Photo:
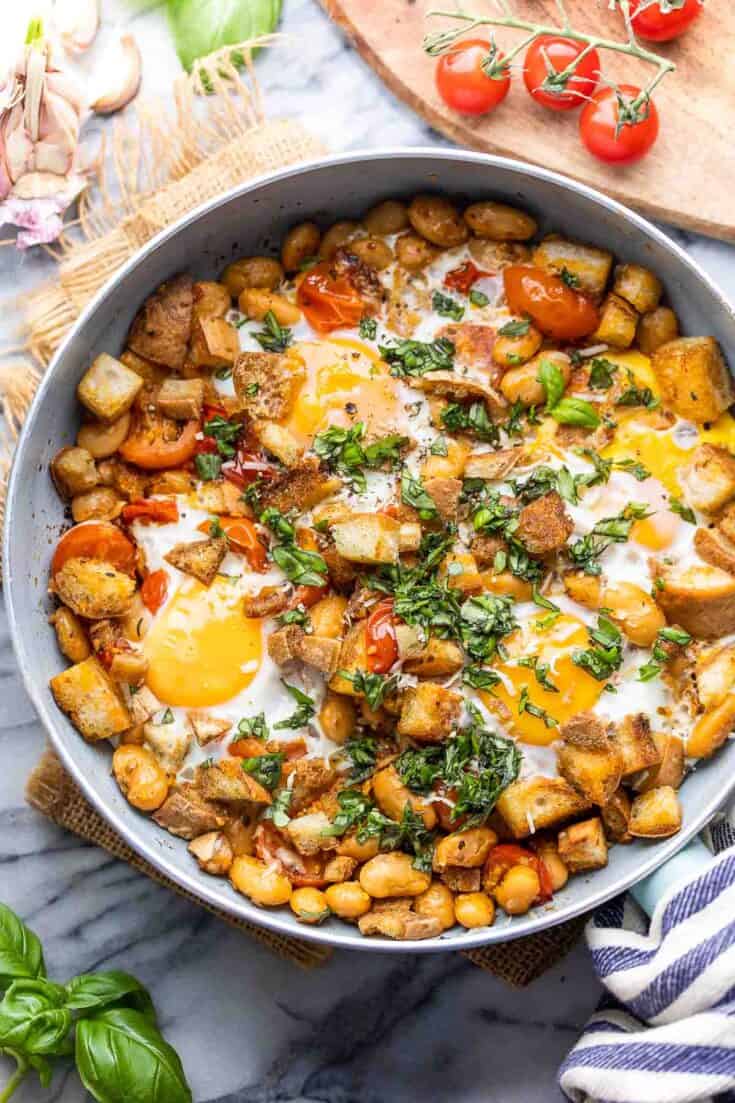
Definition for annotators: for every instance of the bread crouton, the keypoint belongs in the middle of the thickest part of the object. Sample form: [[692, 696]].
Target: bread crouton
[[708, 479], [618, 323], [339, 868], [200, 558], [352, 657], [214, 343], [268, 602], [635, 743], [638, 286], [187, 814], [300, 488], [207, 728], [589, 760], [656, 814], [531, 804], [461, 388], [473, 346], [591, 266], [279, 441], [168, 742], [307, 833], [616, 817], [715, 548], [398, 922], [162, 328], [700, 599], [445, 494], [87, 694], [583, 846], [181, 399], [210, 299], [108, 389], [368, 538], [429, 712], [669, 770], [436, 659], [217, 497], [657, 329], [228, 781], [693, 377], [493, 466], [726, 522], [74, 471], [141, 704], [311, 779], [93, 589], [544, 525], [291, 642], [266, 382]]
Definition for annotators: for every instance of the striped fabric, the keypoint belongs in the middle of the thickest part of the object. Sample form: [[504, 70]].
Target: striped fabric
[[666, 1031]]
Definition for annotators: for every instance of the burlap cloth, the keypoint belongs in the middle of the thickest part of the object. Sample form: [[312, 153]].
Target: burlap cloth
[[157, 168]]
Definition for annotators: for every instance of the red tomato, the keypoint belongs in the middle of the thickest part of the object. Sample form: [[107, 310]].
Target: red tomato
[[301, 869], [506, 855], [308, 595], [462, 81], [146, 448], [246, 467], [206, 444], [655, 25], [329, 302], [154, 590], [610, 140], [550, 55], [382, 646], [242, 536], [445, 808], [95, 540], [462, 278], [247, 748], [157, 511], [557, 310]]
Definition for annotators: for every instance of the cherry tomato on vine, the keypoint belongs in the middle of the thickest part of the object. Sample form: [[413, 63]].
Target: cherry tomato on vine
[[549, 56], [462, 81], [606, 131], [662, 20]]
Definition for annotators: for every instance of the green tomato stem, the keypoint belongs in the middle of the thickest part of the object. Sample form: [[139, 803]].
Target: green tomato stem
[[18, 1076]]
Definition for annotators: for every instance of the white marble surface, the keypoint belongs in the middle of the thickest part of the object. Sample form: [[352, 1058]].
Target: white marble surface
[[251, 1028]]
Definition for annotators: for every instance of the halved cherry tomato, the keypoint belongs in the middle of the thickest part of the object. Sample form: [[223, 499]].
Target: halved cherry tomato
[[462, 278], [151, 511], [107, 654], [301, 870], [609, 139], [445, 808], [308, 595], [557, 310], [660, 23], [246, 467], [146, 448], [242, 536], [506, 855], [154, 590], [462, 81], [206, 444], [329, 302], [247, 747], [253, 748], [95, 540], [211, 410], [382, 646], [552, 54]]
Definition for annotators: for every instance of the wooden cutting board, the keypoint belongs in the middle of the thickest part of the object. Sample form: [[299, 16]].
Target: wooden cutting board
[[688, 179]]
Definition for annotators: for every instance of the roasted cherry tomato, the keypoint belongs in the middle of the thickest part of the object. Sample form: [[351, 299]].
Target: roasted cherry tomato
[[154, 590], [246, 467], [301, 869], [242, 536], [660, 20], [308, 595], [462, 81], [607, 137], [382, 646], [95, 540], [145, 447], [151, 511], [551, 55], [506, 855], [444, 808], [328, 301], [557, 310], [247, 747], [464, 277]]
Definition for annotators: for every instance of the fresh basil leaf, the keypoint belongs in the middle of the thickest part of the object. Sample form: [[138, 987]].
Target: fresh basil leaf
[[274, 337], [34, 1020], [200, 27], [305, 709], [601, 373], [684, 511], [552, 380], [20, 950], [93, 991], [122, 1057], [368, 328], [278, 810], [575, 411], [447, 307], [519, 327], [208, 465], [265, 768], [413, 493], [407, 357], [478, 298]]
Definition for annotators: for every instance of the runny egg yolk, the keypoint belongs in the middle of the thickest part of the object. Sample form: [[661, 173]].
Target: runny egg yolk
[[202, 650], [342, 373], [577, 690]]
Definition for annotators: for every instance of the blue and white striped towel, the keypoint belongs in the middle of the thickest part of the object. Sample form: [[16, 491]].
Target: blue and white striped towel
[[666, 1033]]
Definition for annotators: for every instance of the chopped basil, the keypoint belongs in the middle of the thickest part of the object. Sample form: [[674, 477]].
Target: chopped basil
[[677, 506], [447, 307], [368, 328], [305, 709], [412, 358], [413, 493], [517, 328], [274, 337], [478, 298]]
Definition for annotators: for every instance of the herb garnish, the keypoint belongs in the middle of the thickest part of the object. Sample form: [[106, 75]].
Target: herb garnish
[[265, 768], [412, 358], [659, 655], [637, 396], [413, 493], [342, 451], [470, 418], [567, 411], [518, 327], [374, 687], [305, 568], [362, 753], [601, 373], [478, 298], [525, 704], [684, 511], [447, 307], [585, 552], [305, 709], [569, 278], [484, 620], [253, 727], [606, 654], [275, 337], [278, 810], [368, 328]]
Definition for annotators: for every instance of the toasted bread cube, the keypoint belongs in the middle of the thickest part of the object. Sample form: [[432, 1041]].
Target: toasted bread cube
[[459, 570], [714, 547], [714, 672], [534, 803], [594, 770], [216, 497], [708, 479], [94, 589], [291, 642], [229, 782], [590, 265], [352, 657], [207, 728], [669, 770], [409, 536], [544, 525], [656, 328], [583, 846], [141, 705], [445, 494], [307, 833], [409, 640], [146, 369], [656, 814], [429, 712], [181, 399], [693, 377], [616, 817], [398, 922], [128, 667], [638, 286], [301, 488], [87, 694], [266, 383], [280, 442], [368, 538], [210, 300], [436, 659], [460, 388], [635, 743], [712, 729], [200, 558], [74, 471], [493, 466], [726, 522], [214, 343], [162, 327], [169, 743], [701, 599], [108, 389], [70, 635], [187, 814], [618, 323]]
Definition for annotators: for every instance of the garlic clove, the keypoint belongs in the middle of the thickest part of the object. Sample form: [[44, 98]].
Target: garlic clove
[[77, 23], [61, 84], [49, 185], [126, 76]]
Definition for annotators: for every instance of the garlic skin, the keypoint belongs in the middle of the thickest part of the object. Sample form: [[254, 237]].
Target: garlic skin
[[123, 76], [77, 23]]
